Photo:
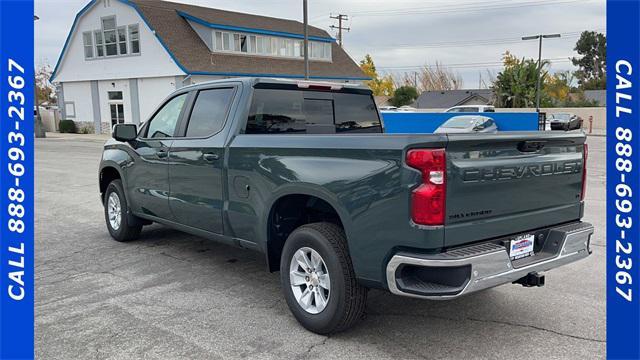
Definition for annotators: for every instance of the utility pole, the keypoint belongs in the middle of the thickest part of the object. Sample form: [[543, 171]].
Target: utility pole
[[415, 79], [539, 37], [306, 39], [340, 17]]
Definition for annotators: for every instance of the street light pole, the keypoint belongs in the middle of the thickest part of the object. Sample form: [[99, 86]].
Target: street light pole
[[539, 38], [306, 39]]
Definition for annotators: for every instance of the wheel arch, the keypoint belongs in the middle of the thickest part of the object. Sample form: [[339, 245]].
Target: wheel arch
[[303, 204]]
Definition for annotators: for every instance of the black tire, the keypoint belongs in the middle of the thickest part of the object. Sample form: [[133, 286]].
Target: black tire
[[130, 227], [347, 300]]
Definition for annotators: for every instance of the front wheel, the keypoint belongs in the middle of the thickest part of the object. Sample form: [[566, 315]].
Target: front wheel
[[116, 214], [318, 280]]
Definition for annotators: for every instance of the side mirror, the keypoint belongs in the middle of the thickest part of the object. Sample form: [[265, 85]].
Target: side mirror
[[125, 132]]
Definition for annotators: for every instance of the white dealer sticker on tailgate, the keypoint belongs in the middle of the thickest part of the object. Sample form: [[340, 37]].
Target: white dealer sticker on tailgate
[[521, 246]]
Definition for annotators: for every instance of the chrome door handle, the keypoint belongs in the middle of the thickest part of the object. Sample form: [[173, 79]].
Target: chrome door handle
[[210, 156]]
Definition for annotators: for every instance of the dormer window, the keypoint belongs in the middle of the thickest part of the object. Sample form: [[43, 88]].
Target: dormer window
[[266, 45], [111, 40]]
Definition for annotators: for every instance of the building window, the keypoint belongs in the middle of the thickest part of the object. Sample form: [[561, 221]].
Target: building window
[[111, 40], [70, 109], [134, 38], [87, 40], [268, 45], [115, 95], [122, 40], [109, 34]]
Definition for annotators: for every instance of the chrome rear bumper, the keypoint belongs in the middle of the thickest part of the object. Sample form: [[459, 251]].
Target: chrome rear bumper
[[484, 265]]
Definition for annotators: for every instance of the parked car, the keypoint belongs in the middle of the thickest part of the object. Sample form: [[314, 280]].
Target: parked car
[[468, 124], [406, 108], [301, 172], [387, 108], [471, 109], [564, 121]]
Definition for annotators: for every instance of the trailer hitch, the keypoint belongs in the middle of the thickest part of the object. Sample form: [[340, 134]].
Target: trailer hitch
[[532, 279]]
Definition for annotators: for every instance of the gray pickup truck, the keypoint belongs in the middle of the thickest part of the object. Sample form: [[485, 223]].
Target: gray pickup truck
[[303, 173]]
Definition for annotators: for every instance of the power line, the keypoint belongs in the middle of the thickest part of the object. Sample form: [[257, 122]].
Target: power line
[[476, 42], [463, 7], [458, 8]]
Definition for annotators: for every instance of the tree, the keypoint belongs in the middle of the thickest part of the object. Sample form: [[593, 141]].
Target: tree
[[432, 78], [45, 91], [515, 85], [592, 64], [404, 95], [438, 77], [379, 86], [558, 86]]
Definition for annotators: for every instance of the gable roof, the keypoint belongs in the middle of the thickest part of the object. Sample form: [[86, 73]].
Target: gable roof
[[169, 23], [448, 98]]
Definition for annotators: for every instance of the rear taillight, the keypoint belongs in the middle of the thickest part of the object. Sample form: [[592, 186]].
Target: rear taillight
[[585, 155], [428, 199]]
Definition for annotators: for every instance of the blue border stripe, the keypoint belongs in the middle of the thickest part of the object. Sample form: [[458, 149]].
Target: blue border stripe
[[623, 171], [16, 135], [252, 30]]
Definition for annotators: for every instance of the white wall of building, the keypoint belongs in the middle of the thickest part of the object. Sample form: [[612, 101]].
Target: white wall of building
[[151, 93], [153, 60], [80, 94]]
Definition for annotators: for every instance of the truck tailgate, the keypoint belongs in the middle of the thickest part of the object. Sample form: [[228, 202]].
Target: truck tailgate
[[510, 183]]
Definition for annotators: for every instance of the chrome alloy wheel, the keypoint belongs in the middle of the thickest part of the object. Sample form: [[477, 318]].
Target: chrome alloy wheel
[[114, 211], [309, 278]]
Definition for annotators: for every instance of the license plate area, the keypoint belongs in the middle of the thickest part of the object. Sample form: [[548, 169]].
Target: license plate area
[[521, 246]]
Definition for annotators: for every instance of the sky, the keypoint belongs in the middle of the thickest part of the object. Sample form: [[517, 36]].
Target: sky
[[468, 36]]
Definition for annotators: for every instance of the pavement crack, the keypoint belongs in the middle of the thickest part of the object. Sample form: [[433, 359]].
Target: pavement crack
[[312, 347], [172, 256], [536, 328], [494, 322]]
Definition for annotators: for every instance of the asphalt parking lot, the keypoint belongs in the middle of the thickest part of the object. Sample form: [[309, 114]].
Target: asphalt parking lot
[[175, 296]]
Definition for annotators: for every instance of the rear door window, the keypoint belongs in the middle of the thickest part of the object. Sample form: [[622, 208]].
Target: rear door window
[[209, 112], [277, 111]]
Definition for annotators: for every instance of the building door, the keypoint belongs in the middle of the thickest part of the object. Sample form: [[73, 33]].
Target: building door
[[116, 107]]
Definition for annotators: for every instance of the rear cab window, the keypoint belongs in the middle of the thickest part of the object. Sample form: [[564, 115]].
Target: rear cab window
[[291, 110]]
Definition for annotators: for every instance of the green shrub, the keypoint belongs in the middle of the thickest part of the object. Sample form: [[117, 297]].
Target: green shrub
[[404, 95], [67, 126]]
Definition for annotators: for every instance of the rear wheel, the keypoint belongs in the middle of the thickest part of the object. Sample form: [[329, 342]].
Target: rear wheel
[[318, 280], [121, 225]]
